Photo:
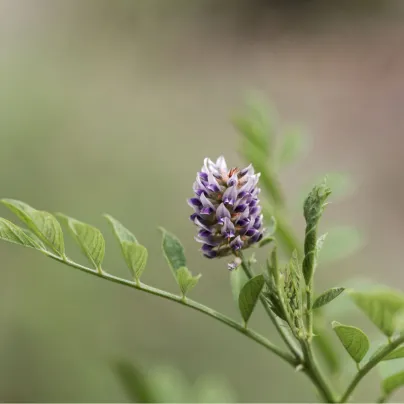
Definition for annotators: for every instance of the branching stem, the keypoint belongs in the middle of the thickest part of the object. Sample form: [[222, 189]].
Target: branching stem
[[185, 302], [369, 366]]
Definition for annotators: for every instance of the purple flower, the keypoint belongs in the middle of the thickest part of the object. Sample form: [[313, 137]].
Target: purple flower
[[226, 208]]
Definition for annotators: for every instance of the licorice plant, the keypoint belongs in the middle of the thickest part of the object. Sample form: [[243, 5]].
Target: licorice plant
[[231, 222]]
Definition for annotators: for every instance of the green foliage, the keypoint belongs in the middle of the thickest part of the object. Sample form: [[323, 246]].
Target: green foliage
[[392, 383], [136, 258], [134, 382], [173, 251], [353, 339], [120, 231], [134, 253], [327, 297], [249, 296], [41, 223], [89, 238], [265, 241], [284, 290], [14, 234], [313, 209], [185, 280], [381, 306], [396, 354], [238, 279]]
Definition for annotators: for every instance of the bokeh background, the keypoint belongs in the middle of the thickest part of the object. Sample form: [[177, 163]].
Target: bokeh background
[[111, 106]]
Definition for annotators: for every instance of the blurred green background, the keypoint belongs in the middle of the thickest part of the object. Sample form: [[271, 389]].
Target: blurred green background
[[111, 106]]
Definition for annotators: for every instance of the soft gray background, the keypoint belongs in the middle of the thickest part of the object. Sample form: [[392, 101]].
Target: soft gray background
[[111, 106]]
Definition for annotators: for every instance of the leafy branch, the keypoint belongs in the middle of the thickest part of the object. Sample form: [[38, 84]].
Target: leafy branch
[[228, 214]]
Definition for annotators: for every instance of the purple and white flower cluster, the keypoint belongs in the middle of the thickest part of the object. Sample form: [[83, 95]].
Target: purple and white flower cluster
[[227, 209]]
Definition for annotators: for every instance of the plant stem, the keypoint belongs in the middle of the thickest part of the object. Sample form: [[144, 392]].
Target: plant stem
[[309, 312], [187, 302], [310, 365], [312, 370], [285, 337], [369, 366]]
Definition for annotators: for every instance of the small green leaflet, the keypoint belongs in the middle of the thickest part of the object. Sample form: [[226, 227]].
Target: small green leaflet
[[353, 339], [136, 258], [42, 224], [327, 297], [237, 280], [120, 231], [89, 238], [14, 234], [396, 354], [265, 241], [392, 383], [134, 253], [173, 251], [249, 295], [381, 306], [185, 280]]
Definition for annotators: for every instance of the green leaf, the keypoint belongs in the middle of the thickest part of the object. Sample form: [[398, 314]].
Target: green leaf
[[392, 383], [14, 234], [249, 295], [399, 321], [89, 238], [353, 339], [396, 354], [120, 231], [42, 224], [136, 258], [34, 237], [173, 251], [381, 306], [327, 297], [238, 279], [134, 253], [134, 382], [293, 143], [342, 242], [185, 280], [265, 241]]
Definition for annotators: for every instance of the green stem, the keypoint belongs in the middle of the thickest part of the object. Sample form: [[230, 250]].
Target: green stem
[[310, 365], [309, 312], [285, 337], [189, 303], [369, 366], [312, 370]]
